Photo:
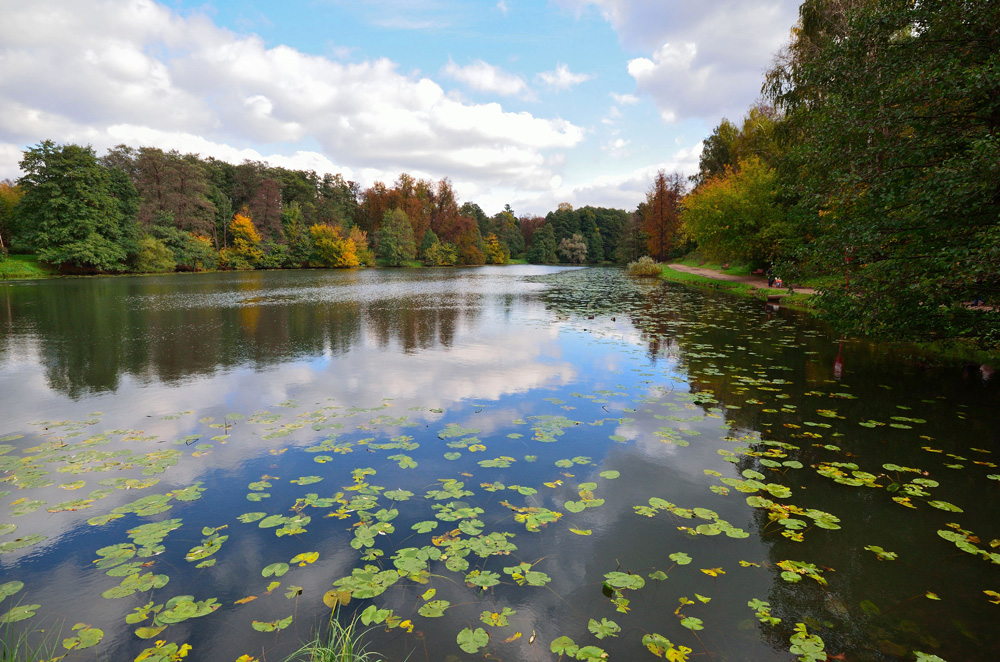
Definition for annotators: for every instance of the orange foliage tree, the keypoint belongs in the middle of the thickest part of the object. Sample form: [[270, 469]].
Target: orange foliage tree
[[661, 219]]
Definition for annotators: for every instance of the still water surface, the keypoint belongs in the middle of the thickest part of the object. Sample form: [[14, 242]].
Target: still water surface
[[577, 421]]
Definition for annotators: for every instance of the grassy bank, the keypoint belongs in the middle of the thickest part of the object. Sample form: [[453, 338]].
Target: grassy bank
[[932, 353], [17, 267], [798, 301]]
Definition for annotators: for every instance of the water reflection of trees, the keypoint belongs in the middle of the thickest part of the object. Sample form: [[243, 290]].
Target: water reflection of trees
[[88, 334], [775, 374]]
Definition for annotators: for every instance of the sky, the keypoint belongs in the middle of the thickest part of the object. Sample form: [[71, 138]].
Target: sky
[[522, 102]]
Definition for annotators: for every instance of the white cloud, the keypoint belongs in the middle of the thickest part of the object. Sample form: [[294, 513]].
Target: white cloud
[[706, 59], [617, 147], [624, 191], [502, 6], [625, 99], [486, 77], [561, 78], [99, 72]]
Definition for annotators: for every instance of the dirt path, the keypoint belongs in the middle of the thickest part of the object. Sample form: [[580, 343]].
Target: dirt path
[[759, 282]]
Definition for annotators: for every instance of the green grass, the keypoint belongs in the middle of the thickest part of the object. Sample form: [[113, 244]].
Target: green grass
[[33, 645], [340, 643], [695, 260], [24, 266], [798, 301]]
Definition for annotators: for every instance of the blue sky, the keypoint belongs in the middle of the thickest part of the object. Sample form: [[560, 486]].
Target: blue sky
[[524, 102]]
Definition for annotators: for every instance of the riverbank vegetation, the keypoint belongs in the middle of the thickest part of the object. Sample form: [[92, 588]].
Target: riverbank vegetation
[[872, 164]]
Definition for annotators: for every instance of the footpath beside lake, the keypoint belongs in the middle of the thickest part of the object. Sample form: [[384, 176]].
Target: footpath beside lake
[[519, 462]]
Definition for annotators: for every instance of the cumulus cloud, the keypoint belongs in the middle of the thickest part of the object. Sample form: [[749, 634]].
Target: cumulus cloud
[[486, 77], [103, 72], [561, 78], [704, 59]]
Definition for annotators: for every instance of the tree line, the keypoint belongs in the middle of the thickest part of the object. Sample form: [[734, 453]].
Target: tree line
[[147, 210]]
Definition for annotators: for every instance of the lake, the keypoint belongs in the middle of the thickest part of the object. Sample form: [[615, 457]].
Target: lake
[[514, 462]]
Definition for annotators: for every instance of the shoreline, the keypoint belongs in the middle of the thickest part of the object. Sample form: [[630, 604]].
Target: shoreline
[[753, 287]]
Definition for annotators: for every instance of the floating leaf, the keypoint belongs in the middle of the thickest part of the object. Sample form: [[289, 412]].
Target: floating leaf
[[881, 553], [471, 641], [304, 558], [692, 623], [275, 570], [433, 608], [148, 632], [19, 613], [944, 505], [497, 618], [272, 626], [624, 580], [10, 588], [603, 629], [564, 646]]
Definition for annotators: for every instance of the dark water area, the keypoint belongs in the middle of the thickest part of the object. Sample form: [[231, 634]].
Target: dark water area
[[506, 458]]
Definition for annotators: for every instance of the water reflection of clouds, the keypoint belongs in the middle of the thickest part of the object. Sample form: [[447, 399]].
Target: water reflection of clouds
[[439, 378]]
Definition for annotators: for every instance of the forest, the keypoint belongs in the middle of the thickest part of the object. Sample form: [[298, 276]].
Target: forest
[[869, 168], [146, 210]]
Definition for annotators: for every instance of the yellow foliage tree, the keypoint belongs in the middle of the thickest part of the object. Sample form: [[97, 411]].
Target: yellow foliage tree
[[244, 252], [496, 253], [366, 257], [331, 248]]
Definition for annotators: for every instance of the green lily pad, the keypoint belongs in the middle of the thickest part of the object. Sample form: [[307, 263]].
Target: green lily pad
[[19, 613], [275, 570], [603, 629], [471, 641]]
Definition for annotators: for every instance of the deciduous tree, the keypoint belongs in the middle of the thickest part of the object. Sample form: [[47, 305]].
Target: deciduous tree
[[662, 213], [897, 105], [734, 216], [394, 242], [70, 208]]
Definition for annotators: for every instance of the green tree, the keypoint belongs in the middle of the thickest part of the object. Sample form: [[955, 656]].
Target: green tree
[[394, 242], [190, 252], [429, 240], [716, 152], [632, 238], [542, 249], [897, 108], [296, 235], [734, 216], [440, 254], [154, 256], [71, 209]]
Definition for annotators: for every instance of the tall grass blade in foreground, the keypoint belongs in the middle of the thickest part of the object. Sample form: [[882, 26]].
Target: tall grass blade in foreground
[[340, 643], [28, 645]]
